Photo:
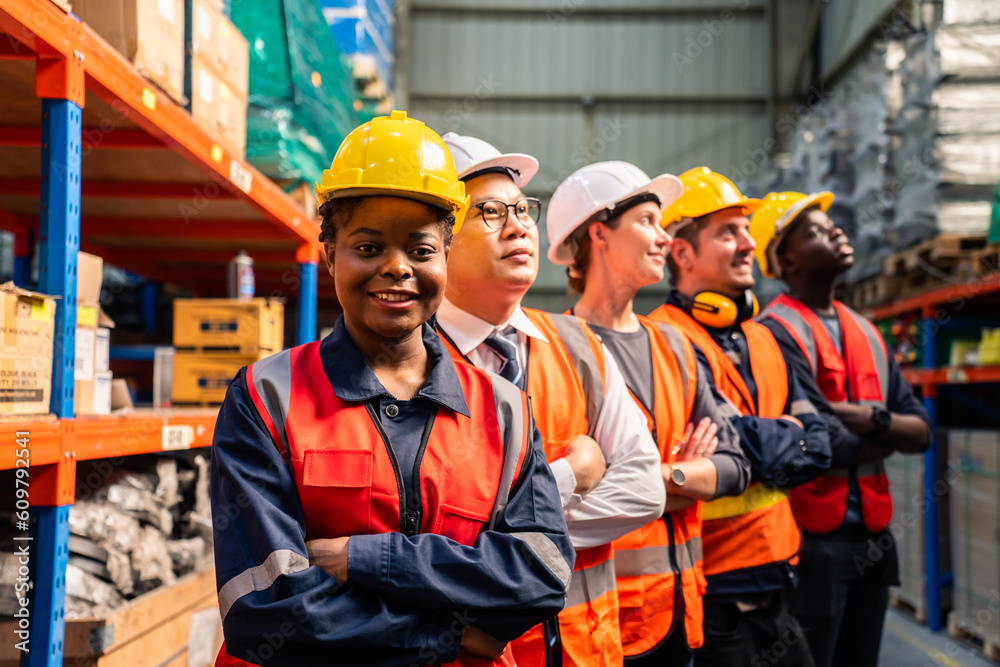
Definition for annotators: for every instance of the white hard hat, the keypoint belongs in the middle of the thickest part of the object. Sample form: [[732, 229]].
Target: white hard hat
[[474, 156], [594, 192]]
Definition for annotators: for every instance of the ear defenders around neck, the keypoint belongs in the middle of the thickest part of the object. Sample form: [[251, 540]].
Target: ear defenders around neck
[[718, 311]]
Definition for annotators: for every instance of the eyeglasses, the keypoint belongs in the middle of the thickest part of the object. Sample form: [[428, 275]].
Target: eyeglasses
[[494, 212]]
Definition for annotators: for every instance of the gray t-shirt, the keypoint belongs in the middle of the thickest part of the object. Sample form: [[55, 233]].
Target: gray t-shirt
[[635, 358], [832, 324], [634, 354]]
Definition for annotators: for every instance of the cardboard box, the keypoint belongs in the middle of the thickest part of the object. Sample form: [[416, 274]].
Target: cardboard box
[[218, 107], [212, 37], [93, 397], [102, 350], [204, 378], [974, 478], [150, 33], [89, 278], [249, 328], [163, 376], [121, 397], [27, 325], [86, 353], [906, 485]]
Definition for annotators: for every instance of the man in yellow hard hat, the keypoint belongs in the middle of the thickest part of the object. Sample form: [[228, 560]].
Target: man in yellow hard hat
[[871, 411], [578, 397], [375, 502], [750, 542]]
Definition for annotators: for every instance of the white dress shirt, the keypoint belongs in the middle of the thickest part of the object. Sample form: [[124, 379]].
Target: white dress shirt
[[631, 493]]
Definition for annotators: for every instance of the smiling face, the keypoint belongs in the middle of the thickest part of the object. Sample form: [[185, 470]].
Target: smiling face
[[637, 246], [721, 260], [815, 246], [485, 260], [389, 265]]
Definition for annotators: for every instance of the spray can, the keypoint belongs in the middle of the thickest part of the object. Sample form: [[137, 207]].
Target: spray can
[[241, 282]]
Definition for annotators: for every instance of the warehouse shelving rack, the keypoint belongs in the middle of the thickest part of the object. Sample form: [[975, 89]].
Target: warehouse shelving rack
[[938, 308], [94, 157]]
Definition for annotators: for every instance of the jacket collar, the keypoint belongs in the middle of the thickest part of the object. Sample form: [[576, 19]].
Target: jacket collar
[[353, 379]]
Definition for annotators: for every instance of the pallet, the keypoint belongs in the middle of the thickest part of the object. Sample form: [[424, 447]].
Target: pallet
[[163, 627], [899, 601], [962, 629], [868, 293], [944, 250], [986, 261]]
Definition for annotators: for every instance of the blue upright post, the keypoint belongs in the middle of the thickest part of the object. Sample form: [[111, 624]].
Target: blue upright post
[[306, 332], [60, 242], [929, 353]]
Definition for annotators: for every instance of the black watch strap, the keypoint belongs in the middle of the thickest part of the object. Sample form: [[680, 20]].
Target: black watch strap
[[881, 420]]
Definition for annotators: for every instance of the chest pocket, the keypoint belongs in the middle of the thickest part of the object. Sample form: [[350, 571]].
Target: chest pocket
[[461, 525], [335, 488]]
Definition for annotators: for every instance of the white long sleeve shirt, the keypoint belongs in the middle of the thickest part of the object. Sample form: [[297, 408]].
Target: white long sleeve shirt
[[631, 493]]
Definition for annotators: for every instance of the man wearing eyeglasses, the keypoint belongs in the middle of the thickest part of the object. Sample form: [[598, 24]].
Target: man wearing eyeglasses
[[604, 460]]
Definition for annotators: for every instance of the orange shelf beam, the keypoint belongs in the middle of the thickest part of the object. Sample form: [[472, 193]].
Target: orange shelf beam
[[44, 442], [81, 438], [142, 433], [953, 294], [951, 375]]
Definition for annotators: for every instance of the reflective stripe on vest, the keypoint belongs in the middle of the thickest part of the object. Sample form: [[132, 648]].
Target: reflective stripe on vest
[[748, 531], [566, 382], [339, 459], [860, 375], [648, 560]]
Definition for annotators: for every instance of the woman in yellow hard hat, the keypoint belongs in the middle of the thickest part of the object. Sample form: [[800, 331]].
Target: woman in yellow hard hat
[[346, 520]]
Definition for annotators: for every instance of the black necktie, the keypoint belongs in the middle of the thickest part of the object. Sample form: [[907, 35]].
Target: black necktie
[[504, 345]]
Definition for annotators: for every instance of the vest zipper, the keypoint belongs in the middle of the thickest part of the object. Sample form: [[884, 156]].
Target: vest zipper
[[403, 527], [414, 513]]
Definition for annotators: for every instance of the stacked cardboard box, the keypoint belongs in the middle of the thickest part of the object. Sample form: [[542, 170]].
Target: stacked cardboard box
[[27, 327], [93, 340], [218, 72], [906, 484], [150, 33], [215, 338], [974, 477]]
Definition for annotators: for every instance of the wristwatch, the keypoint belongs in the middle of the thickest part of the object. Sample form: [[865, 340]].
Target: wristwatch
[[677, 477], [881, 420]]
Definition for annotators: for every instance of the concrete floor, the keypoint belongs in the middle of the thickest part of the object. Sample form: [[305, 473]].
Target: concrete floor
[[908, 644]]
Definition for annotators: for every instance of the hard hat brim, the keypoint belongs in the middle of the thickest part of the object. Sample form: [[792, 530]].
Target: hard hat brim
[[524, 167], [443, 203], [787, 222], [749, 207], [667, 189]]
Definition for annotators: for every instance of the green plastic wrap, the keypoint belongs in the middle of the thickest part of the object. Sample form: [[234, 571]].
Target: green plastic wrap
[[302, 94]]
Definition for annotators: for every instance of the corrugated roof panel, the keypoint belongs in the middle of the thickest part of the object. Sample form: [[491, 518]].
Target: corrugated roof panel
[[527, 54], [845, 24]]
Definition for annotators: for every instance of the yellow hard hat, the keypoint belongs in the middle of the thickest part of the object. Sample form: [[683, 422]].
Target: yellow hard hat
[[775, 218], [399, 157], [705, 191]]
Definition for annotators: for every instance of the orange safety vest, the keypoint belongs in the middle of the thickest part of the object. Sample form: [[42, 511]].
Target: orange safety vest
[[566, 383], [649, 560], [860, 375], [340, 460], [758, 528]]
